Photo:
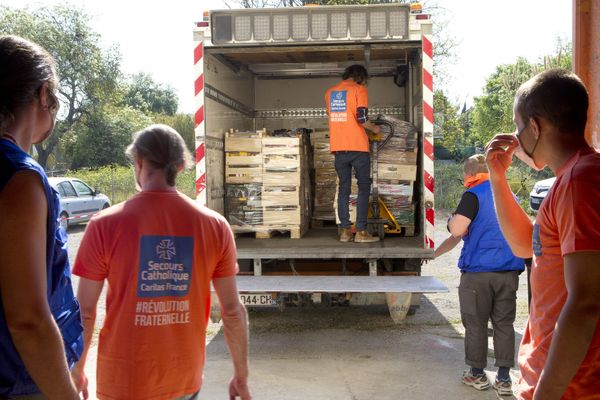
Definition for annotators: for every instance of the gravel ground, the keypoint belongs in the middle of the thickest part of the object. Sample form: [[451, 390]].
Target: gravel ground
[[352, 352]]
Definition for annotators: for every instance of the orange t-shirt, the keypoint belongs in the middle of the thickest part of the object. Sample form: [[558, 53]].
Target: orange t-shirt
[[159, 252], [345, 132], [567, 222]]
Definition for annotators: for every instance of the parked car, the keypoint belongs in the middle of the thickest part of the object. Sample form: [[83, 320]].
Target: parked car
[[539, 192], [78, 201]]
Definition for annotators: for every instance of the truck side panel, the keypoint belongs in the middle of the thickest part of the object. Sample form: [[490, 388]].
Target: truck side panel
[[229, 100]]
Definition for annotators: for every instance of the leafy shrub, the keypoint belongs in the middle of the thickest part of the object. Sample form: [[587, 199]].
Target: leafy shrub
[[449, 183], [118, 183]]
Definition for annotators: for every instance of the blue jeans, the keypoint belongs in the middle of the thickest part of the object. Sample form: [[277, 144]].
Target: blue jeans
[[360, 161]]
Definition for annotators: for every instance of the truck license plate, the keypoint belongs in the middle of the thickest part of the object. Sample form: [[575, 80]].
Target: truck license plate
[[257, 299]]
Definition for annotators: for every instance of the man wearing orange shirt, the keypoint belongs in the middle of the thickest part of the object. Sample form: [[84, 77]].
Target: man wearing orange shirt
[[347, 108], [559, 356], [159, 252]]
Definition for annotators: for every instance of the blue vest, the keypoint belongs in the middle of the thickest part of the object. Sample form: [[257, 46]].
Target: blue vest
[[484, 248], [14, 378]]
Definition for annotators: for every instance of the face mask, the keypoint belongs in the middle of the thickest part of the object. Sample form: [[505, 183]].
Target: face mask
[[519, 133], [529, 160]]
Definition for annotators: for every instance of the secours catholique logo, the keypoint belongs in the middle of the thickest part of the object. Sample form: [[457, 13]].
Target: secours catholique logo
[[165, 266]]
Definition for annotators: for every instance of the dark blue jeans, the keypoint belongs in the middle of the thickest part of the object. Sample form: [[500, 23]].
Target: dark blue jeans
[[360, 161]]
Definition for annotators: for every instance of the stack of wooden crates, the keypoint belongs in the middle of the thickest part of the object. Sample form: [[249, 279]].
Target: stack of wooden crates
[[266, 184], [243, 178]]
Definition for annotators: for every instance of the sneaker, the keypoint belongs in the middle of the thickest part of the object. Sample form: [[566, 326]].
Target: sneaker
[[365, 237], [503, 387], [345, 235], [479, 382]]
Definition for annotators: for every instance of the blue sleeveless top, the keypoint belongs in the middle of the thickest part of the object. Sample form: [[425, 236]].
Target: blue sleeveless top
[[14, 378]]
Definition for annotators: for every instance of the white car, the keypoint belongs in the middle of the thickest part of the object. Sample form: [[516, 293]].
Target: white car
[[539, 192], [78, 201]]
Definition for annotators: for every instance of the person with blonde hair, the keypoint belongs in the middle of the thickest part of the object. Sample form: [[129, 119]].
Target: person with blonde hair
[[489, 279], [159, 251], [40, 324]]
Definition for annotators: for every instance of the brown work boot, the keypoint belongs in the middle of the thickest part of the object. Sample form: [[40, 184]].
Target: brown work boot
[[365, 237], [345, 235]]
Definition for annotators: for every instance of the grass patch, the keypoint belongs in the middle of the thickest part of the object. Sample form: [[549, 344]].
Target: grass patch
[[118, 183], [449, 183]]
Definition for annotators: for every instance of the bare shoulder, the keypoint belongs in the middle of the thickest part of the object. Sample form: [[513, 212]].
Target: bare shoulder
[[23, 190]]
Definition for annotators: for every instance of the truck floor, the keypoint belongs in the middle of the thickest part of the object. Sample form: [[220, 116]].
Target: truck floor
[[324, 243]]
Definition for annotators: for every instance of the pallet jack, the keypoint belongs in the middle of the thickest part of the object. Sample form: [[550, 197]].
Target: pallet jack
[[379, 218]]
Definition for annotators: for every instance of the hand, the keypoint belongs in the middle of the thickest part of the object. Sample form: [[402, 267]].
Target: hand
[[499, 153], [238, 387], [80, 381]]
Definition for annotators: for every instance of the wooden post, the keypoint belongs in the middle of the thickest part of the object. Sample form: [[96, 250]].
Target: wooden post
[[586, 59]]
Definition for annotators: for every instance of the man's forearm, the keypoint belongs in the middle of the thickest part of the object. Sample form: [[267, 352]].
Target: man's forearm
[[235, 325], [570, 342], [447, 245], [370, 126], [42, 351], [514, 222], [89, 321]]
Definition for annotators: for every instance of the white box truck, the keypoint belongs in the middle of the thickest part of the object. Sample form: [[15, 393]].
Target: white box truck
[[270, 68]]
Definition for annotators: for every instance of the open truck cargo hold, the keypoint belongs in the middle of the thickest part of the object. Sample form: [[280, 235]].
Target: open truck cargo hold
[[266, 70]]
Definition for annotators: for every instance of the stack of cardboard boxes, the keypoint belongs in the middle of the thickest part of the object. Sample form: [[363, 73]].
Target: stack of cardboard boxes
[[325, 177]]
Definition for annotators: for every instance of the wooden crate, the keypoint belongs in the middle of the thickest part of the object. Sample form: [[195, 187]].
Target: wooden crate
[[276, 216], [279, 178], [281, 162], [281, 196], [281, 145], [250, 142], [243, 158], [243, 174], [397, 172], [234, 133], [242, 144]]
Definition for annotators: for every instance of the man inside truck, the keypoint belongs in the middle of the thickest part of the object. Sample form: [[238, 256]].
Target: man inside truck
[[347, 107], [560, 351]]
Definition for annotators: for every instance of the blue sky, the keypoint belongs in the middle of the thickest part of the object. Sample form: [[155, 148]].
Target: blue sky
[[156, 36]]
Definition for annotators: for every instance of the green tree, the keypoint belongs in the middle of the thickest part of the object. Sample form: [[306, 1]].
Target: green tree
[[182, 123], [104, 135], [144, 94], [493, 110], [88, 73], [450, 127]]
